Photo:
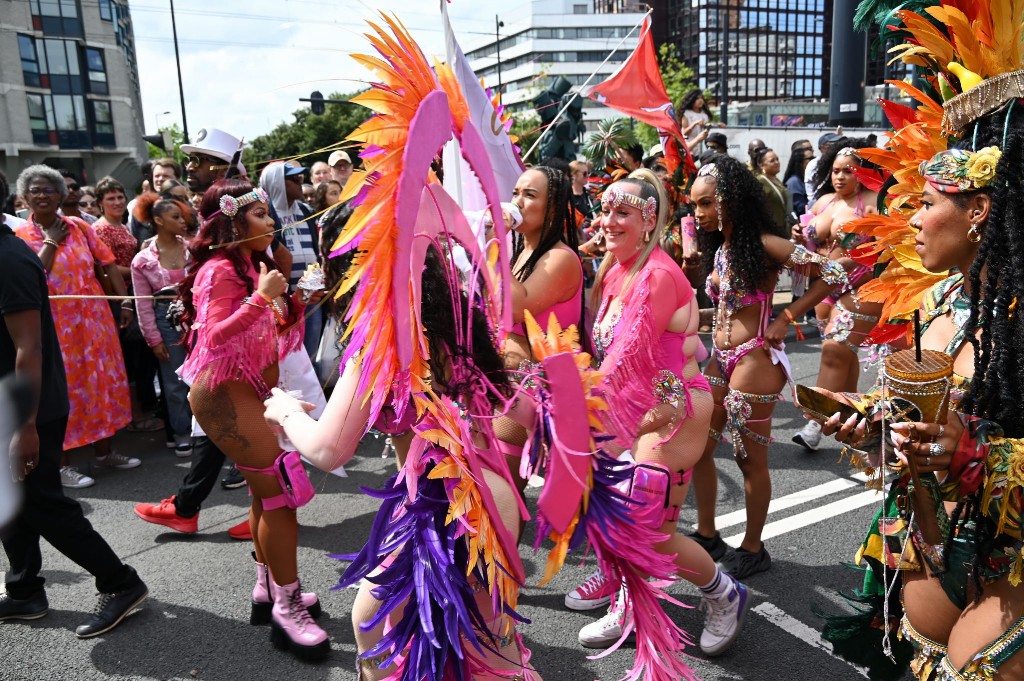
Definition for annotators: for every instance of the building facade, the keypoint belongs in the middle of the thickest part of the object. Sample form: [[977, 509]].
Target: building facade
[[549, 38], [70, 87]]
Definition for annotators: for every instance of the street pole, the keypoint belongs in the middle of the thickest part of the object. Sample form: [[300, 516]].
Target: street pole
[[497, 45], [723, 81], [181, 87]]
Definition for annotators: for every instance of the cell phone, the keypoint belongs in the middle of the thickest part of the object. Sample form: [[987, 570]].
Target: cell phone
[[821, 406]]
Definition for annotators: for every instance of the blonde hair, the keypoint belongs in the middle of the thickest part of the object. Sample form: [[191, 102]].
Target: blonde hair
[[649, 186]]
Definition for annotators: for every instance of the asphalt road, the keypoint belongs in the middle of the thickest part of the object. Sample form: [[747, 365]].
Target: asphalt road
[[195, 623]]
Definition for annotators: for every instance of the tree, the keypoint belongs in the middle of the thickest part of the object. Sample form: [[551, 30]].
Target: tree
[[308, 133], [678, 79], [525, 130]]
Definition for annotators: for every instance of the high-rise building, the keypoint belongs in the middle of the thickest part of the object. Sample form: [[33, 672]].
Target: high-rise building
[[71, 89], [545, 39]]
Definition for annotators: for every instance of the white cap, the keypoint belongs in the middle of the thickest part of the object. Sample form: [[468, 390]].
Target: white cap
[[655, 150], [339, 156]]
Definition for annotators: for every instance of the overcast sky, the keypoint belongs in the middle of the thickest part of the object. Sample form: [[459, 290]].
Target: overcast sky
[[245, 63]]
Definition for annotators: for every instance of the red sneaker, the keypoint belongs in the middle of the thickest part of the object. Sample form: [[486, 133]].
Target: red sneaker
[[241, 531], [165, 514], [595, 592]]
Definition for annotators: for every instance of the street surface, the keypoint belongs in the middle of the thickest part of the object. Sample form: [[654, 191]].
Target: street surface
[[195, 623]]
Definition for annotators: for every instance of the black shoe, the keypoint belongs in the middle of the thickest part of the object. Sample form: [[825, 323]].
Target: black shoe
[[233, 480], [111, 609], [742, 563], [31, 608], [715, 547]]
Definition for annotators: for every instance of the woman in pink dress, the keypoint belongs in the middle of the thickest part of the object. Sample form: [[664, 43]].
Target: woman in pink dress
[[97, 386]]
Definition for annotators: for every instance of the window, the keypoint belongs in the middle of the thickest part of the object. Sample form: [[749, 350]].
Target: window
[[40, 115], [105, 11], [64, 68], [97, 71], [57, 17], [579, 9], [103, 123], [33, 65]]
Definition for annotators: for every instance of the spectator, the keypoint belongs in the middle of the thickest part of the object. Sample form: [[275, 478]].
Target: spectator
[[801, 154], [308, 191], [281, 181], [88, 203], [70, 205], [165, 169], [11, 221], [777, 197], [826, 140], [68, 249], [157, 269], [30, 350], [753, 148], [717, 142], [320, 172], [695, 120], [341, 166], [327, 195], [178, 191], [161, 170], [580, 198]]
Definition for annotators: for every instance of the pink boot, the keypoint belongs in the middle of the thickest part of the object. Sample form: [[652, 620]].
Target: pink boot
[[262, 602], [292, 628]]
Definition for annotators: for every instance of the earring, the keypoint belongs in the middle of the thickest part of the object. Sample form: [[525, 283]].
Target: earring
[[974, 234], [647, 236]]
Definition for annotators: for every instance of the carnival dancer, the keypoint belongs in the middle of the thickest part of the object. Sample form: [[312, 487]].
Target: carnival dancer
[[240, 323], [844, 319], [645, 337], [749, 367], [962, 607]]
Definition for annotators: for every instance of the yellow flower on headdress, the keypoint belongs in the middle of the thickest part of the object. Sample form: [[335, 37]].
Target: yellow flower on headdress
[[981, 167]]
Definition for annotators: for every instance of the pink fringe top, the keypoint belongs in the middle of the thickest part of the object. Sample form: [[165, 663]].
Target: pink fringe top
[[229, 340]]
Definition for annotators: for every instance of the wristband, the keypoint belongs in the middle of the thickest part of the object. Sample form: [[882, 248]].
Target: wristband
[[789, 315], [262, 295]]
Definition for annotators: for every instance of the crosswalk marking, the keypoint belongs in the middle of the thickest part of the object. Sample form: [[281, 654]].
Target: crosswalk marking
[[793, 626], [815, 515], [789, 501]]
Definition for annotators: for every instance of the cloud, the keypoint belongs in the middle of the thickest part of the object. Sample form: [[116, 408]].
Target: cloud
[[245, 65]]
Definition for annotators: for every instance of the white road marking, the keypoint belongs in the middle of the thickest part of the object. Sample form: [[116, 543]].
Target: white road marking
[[793, 626], [789, 501], [815, 515]]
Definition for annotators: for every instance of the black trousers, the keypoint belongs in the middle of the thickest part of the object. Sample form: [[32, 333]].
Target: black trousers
[[207, 461], [47, 513]]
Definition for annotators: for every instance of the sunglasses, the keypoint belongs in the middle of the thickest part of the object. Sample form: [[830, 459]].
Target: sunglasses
[[36, 191], [195, 160], [87, 204]]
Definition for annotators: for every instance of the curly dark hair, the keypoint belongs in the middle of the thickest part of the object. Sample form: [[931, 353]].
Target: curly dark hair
[[823, 172], [335, 267], [743, 206], [218, 230], [446, 338]]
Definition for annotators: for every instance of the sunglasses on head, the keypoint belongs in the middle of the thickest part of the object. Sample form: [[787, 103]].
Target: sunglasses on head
[[86, 204]]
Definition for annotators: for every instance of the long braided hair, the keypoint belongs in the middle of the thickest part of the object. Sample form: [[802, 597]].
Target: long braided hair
[[997, 290]]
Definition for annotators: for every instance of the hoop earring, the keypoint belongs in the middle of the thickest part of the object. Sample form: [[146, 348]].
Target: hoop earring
[[974, 234]]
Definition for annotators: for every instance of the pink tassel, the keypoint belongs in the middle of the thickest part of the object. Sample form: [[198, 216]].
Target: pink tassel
[[631, 367]]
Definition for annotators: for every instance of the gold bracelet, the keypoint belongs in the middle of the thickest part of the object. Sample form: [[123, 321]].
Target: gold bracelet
[[51, 242]]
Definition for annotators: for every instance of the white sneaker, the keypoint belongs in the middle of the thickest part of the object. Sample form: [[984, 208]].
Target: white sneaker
[[595, 592], [72, 479], [183, 445], [724, 618], [809, 436], [115, 460], [607, 630]]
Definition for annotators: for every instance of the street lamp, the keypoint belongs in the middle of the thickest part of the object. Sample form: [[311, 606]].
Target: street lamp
[[497, 45], [165, 113]]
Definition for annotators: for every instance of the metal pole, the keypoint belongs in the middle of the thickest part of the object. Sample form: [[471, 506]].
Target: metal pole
[[497, 45], [724, 67], [181, 87]]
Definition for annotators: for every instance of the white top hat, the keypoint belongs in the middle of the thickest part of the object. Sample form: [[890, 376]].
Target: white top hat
[[213, 142]]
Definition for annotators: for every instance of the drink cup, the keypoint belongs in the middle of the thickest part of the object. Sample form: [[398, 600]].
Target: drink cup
[[918, 391]]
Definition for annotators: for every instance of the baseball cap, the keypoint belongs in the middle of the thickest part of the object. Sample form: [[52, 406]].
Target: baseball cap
[[290, 169], [339, 156], [655, 150], [828, 138]]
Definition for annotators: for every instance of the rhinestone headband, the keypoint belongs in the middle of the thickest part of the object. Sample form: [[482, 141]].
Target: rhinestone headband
[[230, 205], [708, 169], [615, 197], [958, 170], [847, 151]]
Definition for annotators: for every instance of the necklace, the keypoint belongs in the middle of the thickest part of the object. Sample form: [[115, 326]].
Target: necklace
[[604, 329], [175, 261], [727, 296]]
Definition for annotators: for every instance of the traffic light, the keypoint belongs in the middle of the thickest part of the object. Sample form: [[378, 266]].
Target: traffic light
[[316, 103], [161, 140]]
